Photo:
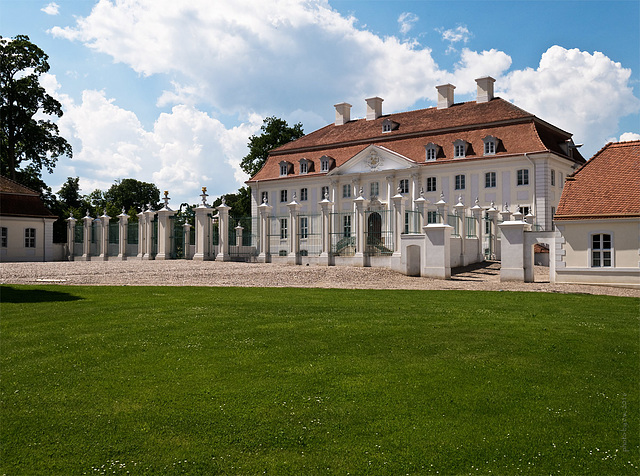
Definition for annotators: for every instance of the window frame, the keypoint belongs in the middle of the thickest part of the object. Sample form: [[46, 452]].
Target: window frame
[[403, 185], [346, 190], [304, 167], [460, 182], [304, 193], [490, 180], [4, 237], [459, 149], [346, 226], [431, 152], [284, 229], [29, 237], [284, 195], [304, 228], [284, 168], [601, 251], [374, 189], [432, 187], [522, 177], [553, 178]]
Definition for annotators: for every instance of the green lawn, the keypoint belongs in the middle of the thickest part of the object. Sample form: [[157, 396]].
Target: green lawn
[[184, 380]]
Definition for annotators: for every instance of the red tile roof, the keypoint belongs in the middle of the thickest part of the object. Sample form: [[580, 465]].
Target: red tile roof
[[517, 130], [607, 186], [19, 201]]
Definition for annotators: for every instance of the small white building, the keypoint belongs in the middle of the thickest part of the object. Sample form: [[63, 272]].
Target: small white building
[[598, 219], [26, 225]]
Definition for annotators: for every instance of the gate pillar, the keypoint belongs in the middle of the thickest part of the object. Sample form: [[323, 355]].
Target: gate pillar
[[123, 224], [223, 231], [148, 222], [437, 262], [104, 236], [398, 223], [292, 256], [164, 230], [512, 267], [265, 210], [142, 238], [360, 227], [325, 204], [71, 235], [187, 240], [86, 242]]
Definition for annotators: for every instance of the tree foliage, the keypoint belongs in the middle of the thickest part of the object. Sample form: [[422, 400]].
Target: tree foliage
[[25, 138], [240, 202], [275, 132], [131, 195]]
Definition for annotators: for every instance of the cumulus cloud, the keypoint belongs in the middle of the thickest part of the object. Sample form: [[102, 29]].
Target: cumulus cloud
[[581, 92], [454, 35], [51, 9], [406, 20], [628, 136]]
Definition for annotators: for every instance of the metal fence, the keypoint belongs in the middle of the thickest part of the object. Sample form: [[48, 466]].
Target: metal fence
[[114, 233], [248, 246], [78, 233], [454, 222], [470, 223], [309, 234], [343, 238], [378, 233], [278, 235], [132, 233], [412, 222]]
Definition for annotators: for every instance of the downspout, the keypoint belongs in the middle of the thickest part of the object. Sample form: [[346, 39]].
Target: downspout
[[534, 185]]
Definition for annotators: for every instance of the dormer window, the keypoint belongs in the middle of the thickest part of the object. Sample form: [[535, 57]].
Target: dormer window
[[388, 125], [459, 149], [305, 166], [325, 163], [431, 151], [490, 145], [285, 167]]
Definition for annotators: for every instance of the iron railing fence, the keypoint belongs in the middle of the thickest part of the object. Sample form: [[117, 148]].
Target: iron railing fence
[[278, 235], [454, 222], [78, 232], [309, 234], [378, 233], [114, 233], [343, 239], [132, 233], [412, 222], [470, 225]]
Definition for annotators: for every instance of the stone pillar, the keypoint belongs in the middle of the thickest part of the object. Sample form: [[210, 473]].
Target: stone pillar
[[123, 227], [529, 218], [149, 216], [239, 230], [71, 236], [104, 237], [164, 233], [142, 237], [505, 214], [293, 206], [459, 213], [186, 230], [512, 259], [223, 231], [360, 203], [325, 207], [203, 239], [441, 208], [265, 211], [420, 205], [437, 262], [476, 210], [398, 223], [87, 221]]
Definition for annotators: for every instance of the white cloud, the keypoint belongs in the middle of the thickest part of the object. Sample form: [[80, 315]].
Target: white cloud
[[473, 65], [51, 9], [583, 93], [454, 35], [406, 21], [628, 136]]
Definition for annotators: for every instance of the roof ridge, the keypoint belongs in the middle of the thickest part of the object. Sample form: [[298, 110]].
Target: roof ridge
[[29, 190]]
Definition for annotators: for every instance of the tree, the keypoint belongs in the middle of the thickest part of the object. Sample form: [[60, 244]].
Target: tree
[[275, 132], [240, 202], [23, 137], [132, 195]]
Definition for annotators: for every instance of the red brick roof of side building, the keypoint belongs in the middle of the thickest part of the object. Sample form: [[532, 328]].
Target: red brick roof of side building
[[607, 186], [19, 201], [516, 130]]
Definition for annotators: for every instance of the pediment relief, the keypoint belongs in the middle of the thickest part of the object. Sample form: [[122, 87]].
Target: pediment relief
[[374, 159]]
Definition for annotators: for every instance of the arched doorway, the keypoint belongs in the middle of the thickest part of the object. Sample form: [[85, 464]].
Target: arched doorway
[[374, 229]]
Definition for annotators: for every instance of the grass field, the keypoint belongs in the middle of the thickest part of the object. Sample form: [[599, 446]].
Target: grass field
[[163, 381]]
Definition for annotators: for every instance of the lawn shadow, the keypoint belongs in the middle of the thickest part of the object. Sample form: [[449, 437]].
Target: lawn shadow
[[13, 295]]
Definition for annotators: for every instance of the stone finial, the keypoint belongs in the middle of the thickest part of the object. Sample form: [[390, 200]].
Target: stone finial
[[506, 206], [166, 199], [204, 196], [294, 196], [421, 192], [361, 191], [87, 212], [70, 214], [326, 195], [264, 199]]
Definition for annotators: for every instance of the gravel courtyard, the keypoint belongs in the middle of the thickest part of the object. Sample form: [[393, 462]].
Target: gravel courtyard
[[214, 273]]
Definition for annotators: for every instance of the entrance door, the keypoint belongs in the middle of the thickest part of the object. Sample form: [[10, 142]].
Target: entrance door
[[374, 229]]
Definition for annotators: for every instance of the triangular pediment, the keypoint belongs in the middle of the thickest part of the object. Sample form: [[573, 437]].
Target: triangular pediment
[[374, 158]]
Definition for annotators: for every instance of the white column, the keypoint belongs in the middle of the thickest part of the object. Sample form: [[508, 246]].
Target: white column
[[186, 230], [459, 212], [398, 223], [223, 231], [265, 211], [149, 216], [104, 236], [292, 257], [325, 207], [142, 237], [123, 228], [476, 210], [360, 203], [86, 242], [71, 236], [164, 233]]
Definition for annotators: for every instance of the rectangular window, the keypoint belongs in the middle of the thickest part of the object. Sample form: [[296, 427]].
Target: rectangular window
[[346, 191], [303, 167], [283, 195], [284, 169], [601, 250], [431, 184], [523, 177], [29, 237], [553, 178], [265, 197], [432, 217], [459, 151], [490, 180], [460, 182], [304, 228], [346, 226], [375, 189], [324, 166], [5, 237], [303, 194], [431, 153], [404, 186], [489, 147], [561, 181], [283, 229], [524, 210], [325, 193]]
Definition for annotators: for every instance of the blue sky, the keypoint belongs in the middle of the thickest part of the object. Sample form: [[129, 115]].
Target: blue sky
[[169, 92]]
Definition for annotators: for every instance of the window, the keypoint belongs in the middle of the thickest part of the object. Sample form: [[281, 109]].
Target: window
[[303, 167], [388, 125], [432, 217], [523, 177], [346, 226], [283, 229], [325, 193], [404, 186], [431, 151], [490, 145], [460, 185], [459, 148], [303, 194], [524, 210], [601, 250], [265, 197], [374, 189], [490, 180], [284, 168], [5, 237], [346, 191], [431, 184], [304, 228], [553, 178], [325, 163], [29, 237], [283, 195]]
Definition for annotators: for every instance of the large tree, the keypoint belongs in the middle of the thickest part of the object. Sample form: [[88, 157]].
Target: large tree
[[27, 137], [132, 195], [275, 132]]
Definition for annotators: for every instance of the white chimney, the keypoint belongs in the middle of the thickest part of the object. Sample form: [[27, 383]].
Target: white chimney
[[445, 95], [343, 113], [485, 89], [374, 108]]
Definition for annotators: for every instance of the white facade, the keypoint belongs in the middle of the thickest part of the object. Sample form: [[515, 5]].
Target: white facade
[[26, 239]]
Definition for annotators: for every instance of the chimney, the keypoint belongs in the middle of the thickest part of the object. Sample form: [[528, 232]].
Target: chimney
[[485, 89], [374, 108], [343, 113], [445, 95]]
